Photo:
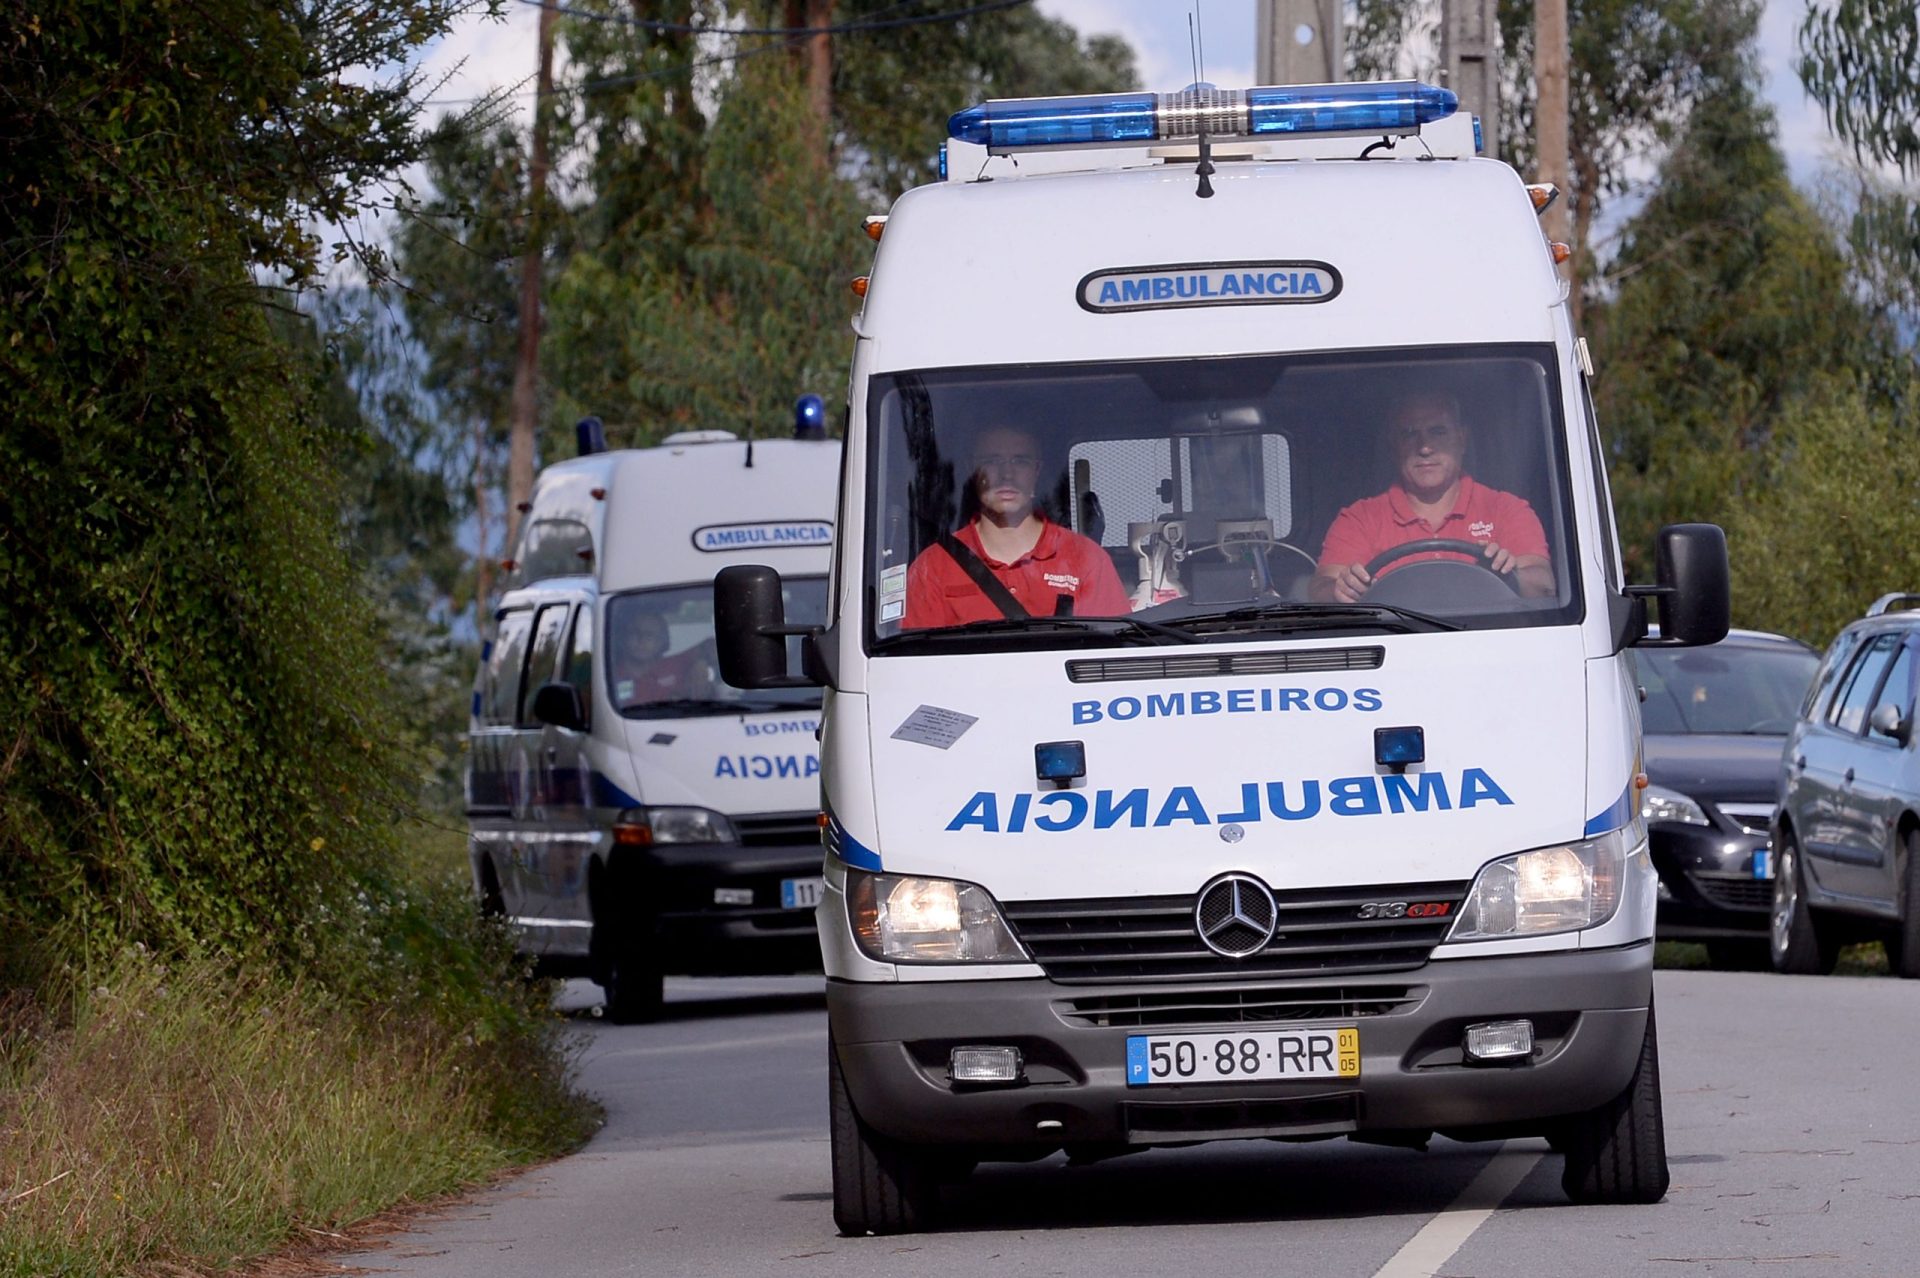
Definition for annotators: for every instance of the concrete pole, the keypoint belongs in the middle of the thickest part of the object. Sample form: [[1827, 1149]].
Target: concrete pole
[[1470, 58], [1300, 41], [526, 365], [1550, 112]]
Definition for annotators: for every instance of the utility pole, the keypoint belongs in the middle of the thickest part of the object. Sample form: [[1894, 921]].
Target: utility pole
[[526, 367], [1300, 42], [1470, 58], [816, 54], [1550, 147]]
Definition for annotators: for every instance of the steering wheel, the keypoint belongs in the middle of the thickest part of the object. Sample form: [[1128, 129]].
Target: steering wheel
[[1453, 544]]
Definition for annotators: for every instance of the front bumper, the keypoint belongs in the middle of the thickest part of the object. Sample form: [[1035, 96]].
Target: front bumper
[[1708, 888], [1589, 1011], [688, 890]]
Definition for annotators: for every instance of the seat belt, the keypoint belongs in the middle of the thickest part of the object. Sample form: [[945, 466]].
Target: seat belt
[[991, 586]]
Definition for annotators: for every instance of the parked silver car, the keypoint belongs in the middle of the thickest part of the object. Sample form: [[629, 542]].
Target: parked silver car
[[1846, 839]]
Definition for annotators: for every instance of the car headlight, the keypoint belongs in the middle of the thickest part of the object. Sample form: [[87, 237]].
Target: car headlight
[[1547, 890], [899, 918], [1657, 803], [673, 825]]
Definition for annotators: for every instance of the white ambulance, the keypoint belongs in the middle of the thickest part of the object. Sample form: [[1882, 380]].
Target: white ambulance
[[1230, 723], [630, 814]]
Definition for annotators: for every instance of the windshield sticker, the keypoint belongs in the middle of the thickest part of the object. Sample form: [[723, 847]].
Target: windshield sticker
[[933, 726], [760, 767], [662, 738], [1057, 810], [764, 536], [893, 593], [1173, 705], [1148, 288]]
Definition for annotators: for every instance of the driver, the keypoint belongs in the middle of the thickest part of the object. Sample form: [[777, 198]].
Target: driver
[[1433, 496], [1041, 569], [644, 673]]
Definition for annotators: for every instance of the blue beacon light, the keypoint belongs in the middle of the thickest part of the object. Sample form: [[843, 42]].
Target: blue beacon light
[[1134, 119], [809, 417]]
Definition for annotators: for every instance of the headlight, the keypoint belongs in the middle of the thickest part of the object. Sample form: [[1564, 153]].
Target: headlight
[[1560, 889], [897, 918], [1657, 803], [673, 825]]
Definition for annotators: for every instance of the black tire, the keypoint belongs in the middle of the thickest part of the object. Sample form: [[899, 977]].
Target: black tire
[[1799, 944], [620, 952], [632, 987], [1903, 946], [1617, 1152], [880, 1186], [1739, 956]]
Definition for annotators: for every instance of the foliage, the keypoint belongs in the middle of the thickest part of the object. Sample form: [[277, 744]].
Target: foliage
[[1856, 60], [1829, 525], [1732, 309]]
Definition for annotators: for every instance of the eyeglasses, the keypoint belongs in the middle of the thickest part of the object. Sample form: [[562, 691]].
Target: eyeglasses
[[1006, 461]]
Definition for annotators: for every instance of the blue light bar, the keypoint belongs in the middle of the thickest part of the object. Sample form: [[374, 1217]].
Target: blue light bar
[[1397, 106], [1094, 119], [1136, 119]]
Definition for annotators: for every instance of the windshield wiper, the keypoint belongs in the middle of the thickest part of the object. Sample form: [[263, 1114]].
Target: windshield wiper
[[688, 706], [1153, 631], [1317, 616]]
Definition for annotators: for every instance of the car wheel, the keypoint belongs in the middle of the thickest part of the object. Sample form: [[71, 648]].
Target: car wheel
[[620, 952], [1799, 944], [880, 1186], [633, 988], [1739, 956], [1903, 948], [1617, 1152]]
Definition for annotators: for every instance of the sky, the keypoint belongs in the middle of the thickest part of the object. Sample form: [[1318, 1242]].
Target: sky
[[481, 54]]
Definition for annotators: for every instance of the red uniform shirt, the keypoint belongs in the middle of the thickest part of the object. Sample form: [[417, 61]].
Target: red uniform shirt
[[1479, 513], [1062, 562]]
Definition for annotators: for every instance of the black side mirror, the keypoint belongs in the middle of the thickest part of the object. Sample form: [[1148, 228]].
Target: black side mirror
[[750, 629], [559, 704], [1696, 601]]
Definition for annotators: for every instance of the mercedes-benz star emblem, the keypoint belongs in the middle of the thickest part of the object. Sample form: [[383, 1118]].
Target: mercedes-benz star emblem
[[1235, 915]]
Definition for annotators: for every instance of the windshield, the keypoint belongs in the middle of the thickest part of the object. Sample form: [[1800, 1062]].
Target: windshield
[[1732, 688], [660, 653], [1210, 497]]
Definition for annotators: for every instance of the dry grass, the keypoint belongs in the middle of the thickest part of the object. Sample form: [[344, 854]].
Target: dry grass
[[175, 1122]]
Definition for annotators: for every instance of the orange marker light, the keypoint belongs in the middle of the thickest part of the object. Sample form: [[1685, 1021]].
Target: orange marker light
[[1543, 194], [874, 225], [599, 494], [1640, 781], [859, 286], [1561, 252], [508, 565]]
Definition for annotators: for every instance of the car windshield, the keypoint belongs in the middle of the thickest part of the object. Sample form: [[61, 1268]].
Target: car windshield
[[1728, 688], [1192, 500], [660, 653]]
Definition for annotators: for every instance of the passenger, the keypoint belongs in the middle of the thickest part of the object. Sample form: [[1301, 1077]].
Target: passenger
[[643, 673], [1433, 497], [1043, 569]]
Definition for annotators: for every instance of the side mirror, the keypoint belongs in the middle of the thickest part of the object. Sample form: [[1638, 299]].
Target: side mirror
[[1694, 592], [1887, 721], [750, 629], [559, 704]]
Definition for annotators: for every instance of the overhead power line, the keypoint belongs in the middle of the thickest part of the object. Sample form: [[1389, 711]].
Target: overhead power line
[[840, 28]]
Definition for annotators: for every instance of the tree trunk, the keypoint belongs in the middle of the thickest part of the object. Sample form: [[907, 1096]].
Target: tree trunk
[[1550, 117], [483, 562], [526, 368]]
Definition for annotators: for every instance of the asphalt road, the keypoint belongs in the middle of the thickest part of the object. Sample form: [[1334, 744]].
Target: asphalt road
[[1792, 1128]]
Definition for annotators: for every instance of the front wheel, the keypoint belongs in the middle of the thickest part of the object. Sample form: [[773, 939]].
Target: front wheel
[[1799, 945], [880, 1186], [1903, 947], [1617, 1152]]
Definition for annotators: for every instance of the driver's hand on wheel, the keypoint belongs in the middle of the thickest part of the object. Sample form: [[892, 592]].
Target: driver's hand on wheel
[[1499, 558], [1350, 582]]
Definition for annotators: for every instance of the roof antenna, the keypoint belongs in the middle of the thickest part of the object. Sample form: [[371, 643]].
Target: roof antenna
[[1203, 98]]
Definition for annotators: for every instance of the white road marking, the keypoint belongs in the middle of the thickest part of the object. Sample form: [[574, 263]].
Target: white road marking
[[1440, 1237], [718, 1045]]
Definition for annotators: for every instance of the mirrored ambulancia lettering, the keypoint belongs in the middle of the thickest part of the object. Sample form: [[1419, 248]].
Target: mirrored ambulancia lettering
[[1059, 810], [763, 767]]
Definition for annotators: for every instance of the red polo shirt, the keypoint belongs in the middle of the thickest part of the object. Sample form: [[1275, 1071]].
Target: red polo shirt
[[1479, 513], [1062, 562]]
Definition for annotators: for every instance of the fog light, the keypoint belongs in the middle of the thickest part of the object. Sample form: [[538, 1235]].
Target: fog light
[[1500, 1040], [984, 1065]]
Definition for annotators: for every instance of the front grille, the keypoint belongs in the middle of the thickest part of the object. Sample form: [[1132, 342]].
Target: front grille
[[1238, 1006], [778, 829], [1734, 891], [1152, 938], [1201, 665], [1754, 818]]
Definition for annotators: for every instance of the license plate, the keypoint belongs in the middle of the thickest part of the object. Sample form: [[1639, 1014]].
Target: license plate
[[1242, 1056], [801, 894]]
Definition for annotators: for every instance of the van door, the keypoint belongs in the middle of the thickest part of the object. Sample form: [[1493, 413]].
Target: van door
[[567, 780], [492, 803], [533, 827], [1878, 796], [1839, 856]]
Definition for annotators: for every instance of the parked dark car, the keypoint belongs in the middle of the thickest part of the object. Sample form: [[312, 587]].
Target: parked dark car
[[1715, 719], [1846, 841]]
